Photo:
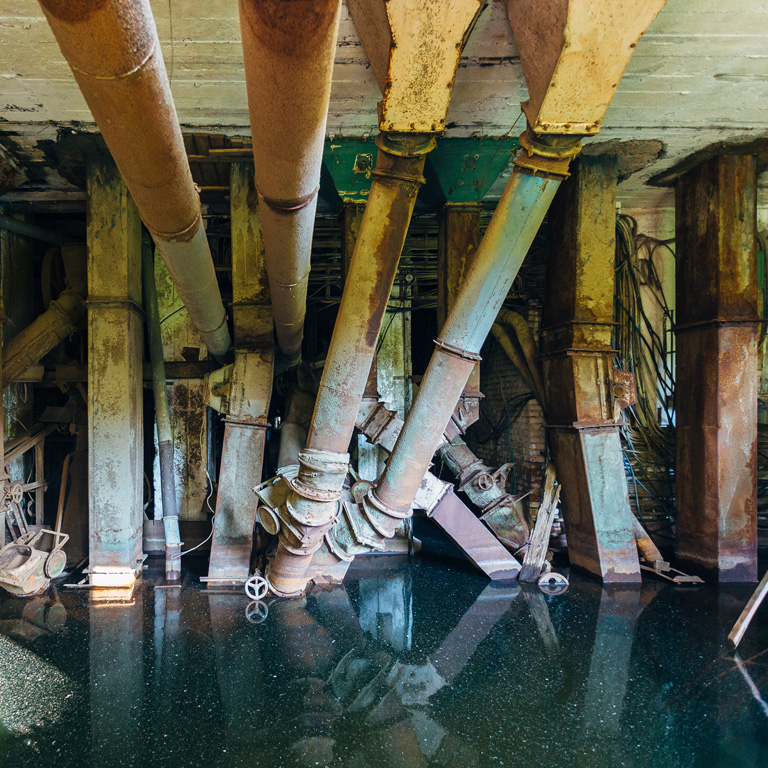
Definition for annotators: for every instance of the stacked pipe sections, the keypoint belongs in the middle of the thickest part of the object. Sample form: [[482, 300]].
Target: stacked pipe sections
[[114, 53], [288, 50]]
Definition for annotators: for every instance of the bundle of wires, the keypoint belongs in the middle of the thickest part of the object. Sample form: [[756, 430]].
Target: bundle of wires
[[644, 348]]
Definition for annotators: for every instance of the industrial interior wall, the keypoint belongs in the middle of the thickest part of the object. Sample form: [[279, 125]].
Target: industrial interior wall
[[514, 430], [17, 311]]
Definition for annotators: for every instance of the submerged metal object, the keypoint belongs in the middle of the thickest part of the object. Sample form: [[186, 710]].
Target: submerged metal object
[[25, 568], [114, 52], [288, 51]]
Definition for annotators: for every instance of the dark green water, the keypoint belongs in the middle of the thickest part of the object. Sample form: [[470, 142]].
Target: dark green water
[[406, 666]]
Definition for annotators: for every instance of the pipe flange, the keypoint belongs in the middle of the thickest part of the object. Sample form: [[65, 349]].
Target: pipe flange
[[550, 146], [279, 593], [386, 509], [405, 144], [455, 351], [313, 494], [288, 206], [336, 549]]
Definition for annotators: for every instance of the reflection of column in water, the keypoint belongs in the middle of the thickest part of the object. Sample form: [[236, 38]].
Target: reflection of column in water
[[606, 686], [386, 610], [239, 673], [117, 682]]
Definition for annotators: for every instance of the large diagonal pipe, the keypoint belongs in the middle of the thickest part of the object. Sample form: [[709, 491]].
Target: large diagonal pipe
[[114, 52], [312, 501], [288, 50], [537, 173]]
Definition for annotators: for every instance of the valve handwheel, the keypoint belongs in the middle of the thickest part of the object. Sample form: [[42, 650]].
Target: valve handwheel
[[257, 587]]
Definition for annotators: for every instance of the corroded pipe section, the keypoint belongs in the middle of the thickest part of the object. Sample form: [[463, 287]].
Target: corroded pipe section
[[539, 168], [288, 50], [57, 323], [293, 429], [395, 184], [162, 414], [113, 50]]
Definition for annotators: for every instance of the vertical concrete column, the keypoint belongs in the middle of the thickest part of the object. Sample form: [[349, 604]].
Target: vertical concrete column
[[115, 393], [242, 453], [458, 238], [577, 357], [717, 368]]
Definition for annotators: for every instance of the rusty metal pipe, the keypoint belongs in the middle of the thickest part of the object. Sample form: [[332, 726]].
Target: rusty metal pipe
[[114, 52], [538, 171], [293, 429], [162, 414], [395, 184], [57, 323], [19, 227], [288, 50]]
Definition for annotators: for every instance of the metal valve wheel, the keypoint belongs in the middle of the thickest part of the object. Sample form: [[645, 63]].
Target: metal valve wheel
[[257, 587], [553, 583]]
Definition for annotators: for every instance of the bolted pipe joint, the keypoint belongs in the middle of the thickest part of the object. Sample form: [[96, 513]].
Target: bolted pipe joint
[[300, 505], [546, 154]]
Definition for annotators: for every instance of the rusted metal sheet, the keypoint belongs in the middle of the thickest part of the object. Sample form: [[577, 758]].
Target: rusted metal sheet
[[479, 545], [573, 54], [578, 374], [596, 512], [288, 51], [114, 52], [717, 369], [246, 406], [426, 43], [115, 387]]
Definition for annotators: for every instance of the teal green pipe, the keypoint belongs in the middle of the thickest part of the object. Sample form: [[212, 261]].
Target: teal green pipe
[[515, 222]]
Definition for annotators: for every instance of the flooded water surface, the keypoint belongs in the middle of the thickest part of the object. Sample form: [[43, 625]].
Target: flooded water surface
[[407, 665]]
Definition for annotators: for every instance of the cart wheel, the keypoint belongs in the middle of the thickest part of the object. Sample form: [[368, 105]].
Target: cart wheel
[[55, 563]]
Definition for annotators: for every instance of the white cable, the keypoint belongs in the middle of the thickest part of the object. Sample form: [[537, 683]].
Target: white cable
[[208, 538]]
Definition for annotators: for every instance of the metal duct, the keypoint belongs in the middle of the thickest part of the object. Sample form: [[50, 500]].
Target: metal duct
[[311, 501], [538, 170], [162, 414], [113, 50], [288, 50], [57, 323]]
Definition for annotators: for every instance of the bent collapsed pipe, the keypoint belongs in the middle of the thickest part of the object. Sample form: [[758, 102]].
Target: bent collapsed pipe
[[57, 323], [288, 52], [304, 506], [162, 414], [538, 171], [114, 53]]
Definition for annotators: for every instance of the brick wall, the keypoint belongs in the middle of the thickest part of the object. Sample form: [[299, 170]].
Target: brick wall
[[511, 429]]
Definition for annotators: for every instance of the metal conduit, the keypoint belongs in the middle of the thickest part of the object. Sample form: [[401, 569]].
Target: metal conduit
[[114, 52], [312, 503], [288, 51], [538, 171], [162, 415]]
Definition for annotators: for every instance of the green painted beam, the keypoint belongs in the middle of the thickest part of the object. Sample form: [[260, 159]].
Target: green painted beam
[[465, 169]]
